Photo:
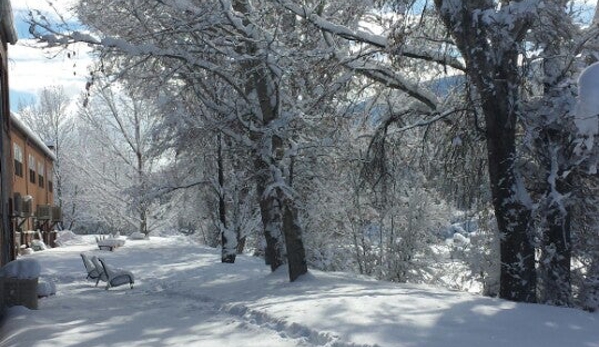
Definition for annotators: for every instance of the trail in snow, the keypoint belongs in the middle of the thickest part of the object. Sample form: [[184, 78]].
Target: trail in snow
[[159, 311], [184, 296]]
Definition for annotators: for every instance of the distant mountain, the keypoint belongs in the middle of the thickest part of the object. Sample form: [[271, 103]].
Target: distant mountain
[[442, 86], [376, 109]]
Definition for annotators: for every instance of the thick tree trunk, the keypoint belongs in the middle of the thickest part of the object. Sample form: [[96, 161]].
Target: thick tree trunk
[[262, 88], [264, 112], [295, 246], [270, 211], [264, 163], [492, 65], [518, 274], [499, 91]]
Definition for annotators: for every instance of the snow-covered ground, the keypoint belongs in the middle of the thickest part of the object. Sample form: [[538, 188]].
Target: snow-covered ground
[[184, 296]]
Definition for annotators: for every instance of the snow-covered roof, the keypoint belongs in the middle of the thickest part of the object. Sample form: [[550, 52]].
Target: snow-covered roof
[[7, 22], [17, 123]]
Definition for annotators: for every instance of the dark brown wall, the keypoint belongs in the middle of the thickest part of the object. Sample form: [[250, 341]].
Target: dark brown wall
[[7, 251]]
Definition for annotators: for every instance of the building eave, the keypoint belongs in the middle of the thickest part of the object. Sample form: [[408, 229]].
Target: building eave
[[31, 136]]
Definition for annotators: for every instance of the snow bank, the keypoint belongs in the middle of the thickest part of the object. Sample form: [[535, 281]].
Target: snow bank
[[211, 304], [67, 238], [46, 288], [136, 235], [26, 268], [38, 245], [111, 243]]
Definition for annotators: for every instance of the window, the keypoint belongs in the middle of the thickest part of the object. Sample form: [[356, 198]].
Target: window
[[18, 156], [49, 178], [40, 174], [31, 168]]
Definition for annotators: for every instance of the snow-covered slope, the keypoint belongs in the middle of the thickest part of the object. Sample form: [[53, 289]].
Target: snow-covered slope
[[184, 296]]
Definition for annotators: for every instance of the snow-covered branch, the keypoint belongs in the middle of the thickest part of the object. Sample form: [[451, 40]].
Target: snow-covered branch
[[431, 55]]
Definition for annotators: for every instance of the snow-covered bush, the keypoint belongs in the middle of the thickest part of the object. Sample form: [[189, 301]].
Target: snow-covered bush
[[479, 252], [67, 237], [45, 288], [38, 245], [136, 235]]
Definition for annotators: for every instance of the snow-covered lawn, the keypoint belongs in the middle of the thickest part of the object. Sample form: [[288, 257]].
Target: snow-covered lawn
[[184, 296]]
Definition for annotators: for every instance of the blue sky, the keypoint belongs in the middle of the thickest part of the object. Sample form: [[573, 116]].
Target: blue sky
[[31, 69]]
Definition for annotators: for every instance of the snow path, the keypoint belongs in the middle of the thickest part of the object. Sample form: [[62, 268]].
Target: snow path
[[184, 296], [159, 311], [94, 317]]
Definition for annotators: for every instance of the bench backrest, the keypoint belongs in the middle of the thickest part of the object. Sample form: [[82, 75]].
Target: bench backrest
[[103, 275]]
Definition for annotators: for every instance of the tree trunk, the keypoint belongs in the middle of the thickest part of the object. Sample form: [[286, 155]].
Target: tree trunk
[[265, 165], [296, 254], [228, 244], [492, 65], [518, 273], [240, 244], [556, 255], [270, 211], [555, 259], [262, 88]]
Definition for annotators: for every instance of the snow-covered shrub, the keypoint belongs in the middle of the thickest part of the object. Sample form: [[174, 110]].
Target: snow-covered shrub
[[67, 237], [136, 235], [38, 245], [45, 288], [327, 230], [479, 252], [410, 227]]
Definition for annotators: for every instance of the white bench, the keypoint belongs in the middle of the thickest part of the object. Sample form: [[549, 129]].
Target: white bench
[[110, 243], [113, 277]]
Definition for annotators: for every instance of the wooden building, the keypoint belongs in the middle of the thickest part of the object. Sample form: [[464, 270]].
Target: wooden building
[[32, 200], [8, 35]]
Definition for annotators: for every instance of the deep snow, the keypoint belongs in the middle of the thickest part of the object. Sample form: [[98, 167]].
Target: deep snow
[[184, 296]]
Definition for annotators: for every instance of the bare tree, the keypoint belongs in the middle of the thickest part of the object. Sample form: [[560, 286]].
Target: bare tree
[[50, 119], [121, 125]]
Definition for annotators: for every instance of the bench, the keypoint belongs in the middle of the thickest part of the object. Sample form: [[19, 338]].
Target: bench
[[109, 244]]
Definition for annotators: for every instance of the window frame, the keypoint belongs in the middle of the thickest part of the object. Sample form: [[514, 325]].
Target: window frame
[[32, 163], [40, 173], [18, 159]]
